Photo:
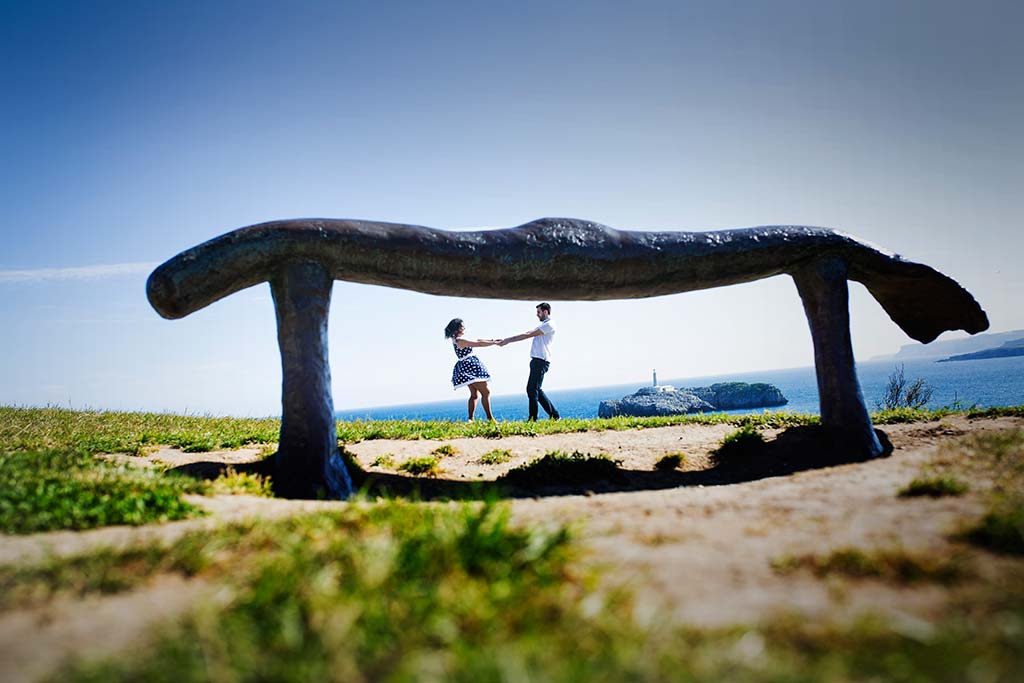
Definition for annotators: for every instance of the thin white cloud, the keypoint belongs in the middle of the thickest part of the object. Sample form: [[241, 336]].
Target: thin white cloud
[[75, 273]]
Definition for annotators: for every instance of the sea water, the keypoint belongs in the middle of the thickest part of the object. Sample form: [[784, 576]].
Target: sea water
[[981, 383]]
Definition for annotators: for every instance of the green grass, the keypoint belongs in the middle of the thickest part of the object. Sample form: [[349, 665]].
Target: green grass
[[908, 415], [936, 486], [557, 468], [471, 534], [134, 433], [1001, 529], [445, 450], [670, 461], [1000, 456], [1002, 411], [108, 497], [386, 461], [242, 483], [103, 571], [427, 465], [351, 432], [496, 457], [743, 442], [402, 592], [81, 493], [58, 489], [368, 594], [892, 564]]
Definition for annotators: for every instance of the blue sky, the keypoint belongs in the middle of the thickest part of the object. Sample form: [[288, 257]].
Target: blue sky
[[134, 130]]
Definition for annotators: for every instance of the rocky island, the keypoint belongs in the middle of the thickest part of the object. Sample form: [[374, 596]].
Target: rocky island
[[669, 400]]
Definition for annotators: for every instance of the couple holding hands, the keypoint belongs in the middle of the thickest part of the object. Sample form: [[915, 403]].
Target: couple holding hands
[[470, 372]]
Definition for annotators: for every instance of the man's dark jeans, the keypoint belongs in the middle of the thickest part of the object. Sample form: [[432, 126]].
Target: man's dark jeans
[[533, 391]]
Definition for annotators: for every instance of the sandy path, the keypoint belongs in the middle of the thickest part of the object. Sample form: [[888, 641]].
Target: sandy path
[[705, 554], [637, 449]]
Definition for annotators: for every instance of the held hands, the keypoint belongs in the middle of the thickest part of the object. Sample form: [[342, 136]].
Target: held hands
[[496, 342]]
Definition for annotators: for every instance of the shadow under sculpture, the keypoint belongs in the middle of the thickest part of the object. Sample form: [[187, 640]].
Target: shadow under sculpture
[[551, 258]]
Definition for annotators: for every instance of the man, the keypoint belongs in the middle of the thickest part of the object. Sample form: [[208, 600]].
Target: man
[[540, 360]]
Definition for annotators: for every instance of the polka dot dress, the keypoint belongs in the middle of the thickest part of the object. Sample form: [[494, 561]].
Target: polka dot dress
[[468, 369]]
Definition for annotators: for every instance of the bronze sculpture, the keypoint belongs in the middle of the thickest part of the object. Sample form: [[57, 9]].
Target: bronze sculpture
[[551, 258]]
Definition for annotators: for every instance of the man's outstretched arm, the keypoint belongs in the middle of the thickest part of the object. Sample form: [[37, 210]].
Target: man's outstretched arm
[[520, 337]]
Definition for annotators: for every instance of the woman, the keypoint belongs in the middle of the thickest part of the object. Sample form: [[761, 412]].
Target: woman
[[468, 370]]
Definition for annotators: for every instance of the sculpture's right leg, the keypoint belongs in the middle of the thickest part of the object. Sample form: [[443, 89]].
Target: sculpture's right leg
[[823, 289], [308, 462]]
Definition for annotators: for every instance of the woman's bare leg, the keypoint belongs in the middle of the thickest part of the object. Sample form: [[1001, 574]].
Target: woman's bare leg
[[485, 400], [472, 401]]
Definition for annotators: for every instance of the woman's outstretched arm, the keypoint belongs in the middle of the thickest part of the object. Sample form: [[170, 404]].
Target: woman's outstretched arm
[[464, 343]]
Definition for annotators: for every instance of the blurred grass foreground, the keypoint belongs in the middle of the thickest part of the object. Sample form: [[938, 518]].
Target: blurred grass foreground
[[393, 590]]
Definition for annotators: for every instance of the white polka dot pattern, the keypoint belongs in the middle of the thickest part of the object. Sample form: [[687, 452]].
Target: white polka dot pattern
[[468, 369]]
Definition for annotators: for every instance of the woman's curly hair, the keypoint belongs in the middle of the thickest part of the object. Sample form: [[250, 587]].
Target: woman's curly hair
[[452, 328]]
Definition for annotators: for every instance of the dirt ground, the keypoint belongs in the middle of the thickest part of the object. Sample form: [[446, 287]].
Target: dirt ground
[[690, 544]]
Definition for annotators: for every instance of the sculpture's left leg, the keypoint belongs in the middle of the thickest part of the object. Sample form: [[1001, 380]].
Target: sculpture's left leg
[[823, 289], [308, 463]]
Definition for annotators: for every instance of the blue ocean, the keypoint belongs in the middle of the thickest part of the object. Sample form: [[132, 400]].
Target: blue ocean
[[982, 383]]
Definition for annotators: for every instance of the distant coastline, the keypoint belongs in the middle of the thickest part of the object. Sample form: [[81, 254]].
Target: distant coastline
[[1007, 350], [954, 347]]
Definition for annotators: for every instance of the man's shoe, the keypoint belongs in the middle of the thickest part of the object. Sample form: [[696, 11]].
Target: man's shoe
[[556, 417]]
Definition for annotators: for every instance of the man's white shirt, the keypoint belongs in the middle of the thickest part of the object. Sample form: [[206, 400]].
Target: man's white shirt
[[541, 347]]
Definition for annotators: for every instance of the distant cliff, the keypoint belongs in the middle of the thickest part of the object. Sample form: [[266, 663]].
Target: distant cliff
[[668, 400], [949, 347], [1010, 348]]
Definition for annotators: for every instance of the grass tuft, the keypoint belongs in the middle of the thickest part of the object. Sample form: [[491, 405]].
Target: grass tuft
[[496, 457], [444, 451], [387, 460], [1001, 529], [934, 487], [427, 465], [242, 483], [743, 442], [102, 571], [670, 461], [894, 564], [556, 468]]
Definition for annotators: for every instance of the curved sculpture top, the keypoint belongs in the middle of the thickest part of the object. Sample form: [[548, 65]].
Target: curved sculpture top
[[555, 258]]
